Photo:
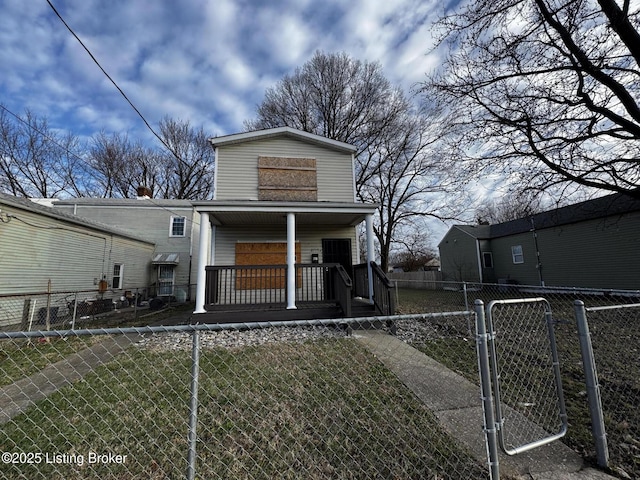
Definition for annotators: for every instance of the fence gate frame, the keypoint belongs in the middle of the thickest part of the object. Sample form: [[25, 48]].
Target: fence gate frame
[[488, 362]]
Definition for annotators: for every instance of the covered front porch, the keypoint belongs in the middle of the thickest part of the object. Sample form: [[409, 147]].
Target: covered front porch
[[283, 260]]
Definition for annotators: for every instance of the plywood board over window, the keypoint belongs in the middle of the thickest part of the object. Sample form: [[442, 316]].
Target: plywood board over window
[[268, 256], [287, 179]]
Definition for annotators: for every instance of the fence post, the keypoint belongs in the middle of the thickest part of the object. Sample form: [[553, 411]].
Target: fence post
[[136, 299], [490, 430], [75, 311], [466, 298], [593, 388], [193, 406]]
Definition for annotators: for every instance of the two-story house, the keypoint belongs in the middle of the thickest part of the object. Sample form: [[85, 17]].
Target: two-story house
[[281, 231], [172, 225]]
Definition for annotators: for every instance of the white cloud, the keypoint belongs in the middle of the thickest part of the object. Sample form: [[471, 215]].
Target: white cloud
[[195, 59]]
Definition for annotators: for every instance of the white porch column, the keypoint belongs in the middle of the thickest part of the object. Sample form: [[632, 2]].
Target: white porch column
[[370, 253], [203, 258], [291, 261]]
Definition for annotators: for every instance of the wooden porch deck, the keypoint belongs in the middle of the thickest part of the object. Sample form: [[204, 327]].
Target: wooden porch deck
[[257, 293], [276, 312]]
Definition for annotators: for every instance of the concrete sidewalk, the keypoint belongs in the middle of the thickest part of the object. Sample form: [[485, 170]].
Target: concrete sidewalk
[[19, 396], [457, 405]]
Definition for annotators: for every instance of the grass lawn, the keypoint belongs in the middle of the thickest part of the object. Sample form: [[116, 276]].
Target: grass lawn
[[615, 336], [322, 409], [21, 358]]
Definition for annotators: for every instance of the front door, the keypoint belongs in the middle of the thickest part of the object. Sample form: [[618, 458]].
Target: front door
[[165, 279], [336, 250]]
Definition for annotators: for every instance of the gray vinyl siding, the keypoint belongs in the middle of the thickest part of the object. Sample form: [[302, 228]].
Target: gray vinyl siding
[[237, 168], [309, 236], [600, 253], [71, 256], [459, 257], [524, 273], [151, 222], [603, 253]]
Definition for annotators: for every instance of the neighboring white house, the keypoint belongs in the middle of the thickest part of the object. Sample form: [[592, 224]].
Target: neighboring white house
[[282, 197], [42, 248], [169, 224]]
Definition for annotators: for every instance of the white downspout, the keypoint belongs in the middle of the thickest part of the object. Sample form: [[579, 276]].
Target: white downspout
[[291, 261], [203, 259]]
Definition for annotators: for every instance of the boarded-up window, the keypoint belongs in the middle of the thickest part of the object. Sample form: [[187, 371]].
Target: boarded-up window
[[267, 256], [287, 179]]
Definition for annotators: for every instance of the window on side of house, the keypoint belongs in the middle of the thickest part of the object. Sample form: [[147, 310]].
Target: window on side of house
[[116, 281], [177, 227], [516, 254], [487, 259]]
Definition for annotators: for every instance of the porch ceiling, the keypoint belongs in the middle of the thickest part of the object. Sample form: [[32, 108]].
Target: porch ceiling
[[269, 213]]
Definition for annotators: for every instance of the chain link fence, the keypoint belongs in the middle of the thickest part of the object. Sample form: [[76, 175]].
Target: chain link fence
[[84, 308], [614, 322], [301, 400], [614, 333], [304, 400]]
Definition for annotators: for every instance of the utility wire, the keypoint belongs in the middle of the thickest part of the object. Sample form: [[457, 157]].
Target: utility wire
[[115, 84], [17, 117]]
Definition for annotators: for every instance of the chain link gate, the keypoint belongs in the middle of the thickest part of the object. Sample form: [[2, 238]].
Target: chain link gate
[[518, 360]]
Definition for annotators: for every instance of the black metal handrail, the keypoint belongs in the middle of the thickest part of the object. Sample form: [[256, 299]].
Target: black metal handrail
[[382, 291], [343, 286]]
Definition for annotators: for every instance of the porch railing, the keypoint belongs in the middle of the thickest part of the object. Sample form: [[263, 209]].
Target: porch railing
[[382, 287], [240, 285]]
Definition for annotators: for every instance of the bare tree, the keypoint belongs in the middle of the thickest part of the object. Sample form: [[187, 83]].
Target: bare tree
[[189, 160], [510, 207], [545, 91], [347, 100], [33, 158], [120, 166], [415, 250]]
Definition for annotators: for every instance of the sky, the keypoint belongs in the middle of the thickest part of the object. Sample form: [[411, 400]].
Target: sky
[[205, 61]]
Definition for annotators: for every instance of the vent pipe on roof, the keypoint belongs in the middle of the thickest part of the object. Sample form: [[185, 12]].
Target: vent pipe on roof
[[143, 192]]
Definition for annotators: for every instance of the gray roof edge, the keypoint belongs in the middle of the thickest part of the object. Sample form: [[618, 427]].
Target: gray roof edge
[[124, 202], [33, 207], [601, 207], [281, 131]]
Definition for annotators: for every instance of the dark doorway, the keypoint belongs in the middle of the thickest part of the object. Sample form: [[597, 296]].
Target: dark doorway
[[336, 250]]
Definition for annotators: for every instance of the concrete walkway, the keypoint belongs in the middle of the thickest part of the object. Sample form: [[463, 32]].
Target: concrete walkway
[[457, 405], [19, 396]]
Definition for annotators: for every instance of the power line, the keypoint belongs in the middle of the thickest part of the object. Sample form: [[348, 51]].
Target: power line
[[124, 95], [82, 160]]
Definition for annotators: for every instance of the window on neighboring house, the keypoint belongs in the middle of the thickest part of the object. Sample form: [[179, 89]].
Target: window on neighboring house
[[116, 282], [487, 259], [516, 254], [177, 226]]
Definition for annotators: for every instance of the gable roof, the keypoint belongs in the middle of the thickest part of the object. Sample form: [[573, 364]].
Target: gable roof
[[30, 206], [282, 132], [611, 205]]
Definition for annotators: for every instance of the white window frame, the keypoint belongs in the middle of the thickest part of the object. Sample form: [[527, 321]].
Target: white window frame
[[119, 277], [184, 226], [517, 254]]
